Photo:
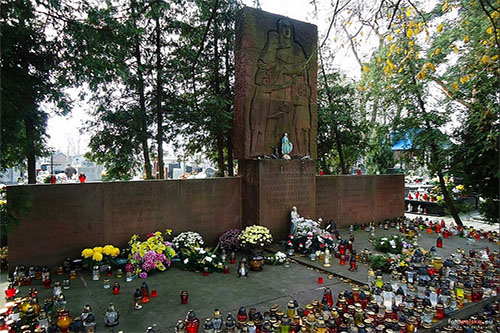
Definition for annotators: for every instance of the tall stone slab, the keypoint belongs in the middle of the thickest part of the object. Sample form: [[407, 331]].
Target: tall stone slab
[[275, 100], [275, 84], [272, 187]]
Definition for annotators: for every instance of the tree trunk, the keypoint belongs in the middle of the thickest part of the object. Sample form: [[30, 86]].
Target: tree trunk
[[142, 104], [220, 153], [217, 89], [448, 199], [435, 161], [336, 130], [230, 161], [228, 95], [30, 152], [159, 111]]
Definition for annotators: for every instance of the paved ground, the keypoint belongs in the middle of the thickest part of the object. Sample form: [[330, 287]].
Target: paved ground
[[274, 285]]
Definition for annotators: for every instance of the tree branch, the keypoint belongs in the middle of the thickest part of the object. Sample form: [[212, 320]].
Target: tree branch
[[394, 14], [450, 94], [353, 47]]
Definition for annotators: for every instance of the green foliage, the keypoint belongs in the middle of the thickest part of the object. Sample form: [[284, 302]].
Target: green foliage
[[379, 155], [473, 81], [32, 74], [380, 262], [393, 244], [339, 123], [13, 207]]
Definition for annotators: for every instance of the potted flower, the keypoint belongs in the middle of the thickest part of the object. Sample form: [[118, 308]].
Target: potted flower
[[187, 239], [229, 240], [199, 259], [146, 256], [255, 238], [100, 256]]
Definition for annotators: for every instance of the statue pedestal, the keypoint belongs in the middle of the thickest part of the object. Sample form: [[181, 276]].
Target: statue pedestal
[[272, 187]]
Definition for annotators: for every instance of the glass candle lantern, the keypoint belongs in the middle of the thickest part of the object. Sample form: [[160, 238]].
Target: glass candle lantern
[[468, 295], [106, 284], [437, 263], [326, 260], [46, 280], [192, 323], [66, 284], [129, 277], [43, 321], [72, 274], [116, 288], [137, 299], [119, 273], [460, 302], [342, 249], [388, 297], [342, 259], [329, 297], [232, 257], [440, 311], [109, 271], [226, 269], [145, 292], [10, 291], [353, 266], [63, 321], [439, 242], [111, 316], [477, 294], [371, 278], [379, 282], [95, 273], [184, 297], [290, 308], [459, 289]]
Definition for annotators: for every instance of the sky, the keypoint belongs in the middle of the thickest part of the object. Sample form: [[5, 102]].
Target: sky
[[65, 133]]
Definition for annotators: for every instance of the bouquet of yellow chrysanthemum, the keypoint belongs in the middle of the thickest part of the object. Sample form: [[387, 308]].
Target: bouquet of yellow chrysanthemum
[[100, 255], [154, 253], [255, 237]]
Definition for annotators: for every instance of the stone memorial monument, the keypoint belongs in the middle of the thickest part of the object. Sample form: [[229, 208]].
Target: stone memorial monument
[[276, 84], [275, 129], [275, 117]]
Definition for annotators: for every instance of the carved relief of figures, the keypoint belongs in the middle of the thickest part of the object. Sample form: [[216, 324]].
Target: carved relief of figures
[[281, 99]]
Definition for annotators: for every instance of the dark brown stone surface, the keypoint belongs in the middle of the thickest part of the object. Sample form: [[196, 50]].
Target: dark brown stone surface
[[272, 187], [275, 84], [359, 199], [66, 218]]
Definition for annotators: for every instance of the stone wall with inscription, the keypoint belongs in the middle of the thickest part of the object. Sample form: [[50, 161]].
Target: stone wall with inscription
[[275, 84], [66, 218], [359, 199], [275, 186]]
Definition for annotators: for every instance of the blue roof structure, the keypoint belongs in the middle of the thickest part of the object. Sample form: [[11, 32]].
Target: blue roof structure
[[404, 143]]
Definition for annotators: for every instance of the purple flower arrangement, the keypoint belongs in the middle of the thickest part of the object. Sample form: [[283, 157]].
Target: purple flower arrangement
[[229, 240]]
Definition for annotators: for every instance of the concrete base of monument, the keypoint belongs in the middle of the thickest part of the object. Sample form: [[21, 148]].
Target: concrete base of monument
[[272, 187]]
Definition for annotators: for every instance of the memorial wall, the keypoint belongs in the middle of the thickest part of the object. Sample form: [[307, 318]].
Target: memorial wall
[[66, 218], [359, 199]]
